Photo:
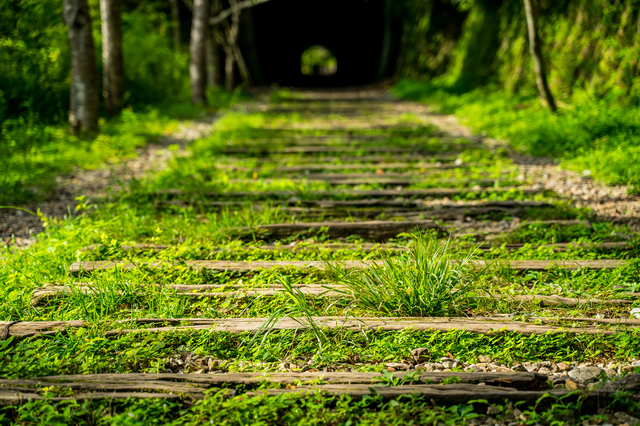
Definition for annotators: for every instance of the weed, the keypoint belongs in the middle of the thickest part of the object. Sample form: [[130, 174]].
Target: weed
[[428, 280]]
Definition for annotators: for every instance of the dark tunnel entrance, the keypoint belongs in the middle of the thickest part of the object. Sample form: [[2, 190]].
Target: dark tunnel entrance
[[362, 34]]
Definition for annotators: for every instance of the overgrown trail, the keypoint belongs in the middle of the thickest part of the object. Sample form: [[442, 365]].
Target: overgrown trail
[[328, 241]]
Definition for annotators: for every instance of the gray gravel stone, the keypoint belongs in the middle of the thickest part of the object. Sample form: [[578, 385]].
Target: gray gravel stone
[[586, 375]]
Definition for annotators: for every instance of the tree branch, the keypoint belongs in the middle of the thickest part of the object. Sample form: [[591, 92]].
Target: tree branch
[[234, 9]]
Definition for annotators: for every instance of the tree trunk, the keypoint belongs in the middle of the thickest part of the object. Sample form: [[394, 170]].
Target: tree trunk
[[197, 65], [113, 68], [229, 69], [218, 60], [536, 54], [175, 24], [211, 59], [83, 113]]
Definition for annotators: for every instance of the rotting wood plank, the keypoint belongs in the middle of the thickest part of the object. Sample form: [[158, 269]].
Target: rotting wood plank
[[434, 166], [321, 149], [105, 387], [255, 325], [345, 126], [380, 180], [89, 266], [408, 214], [447, 157], [199, 382], [367, 247], [377, 230], [354, 139], [390, 181], [19, 398], [49, 292], [453, 394], [370, 247], [391, 175], [419, 204], [373, 193]]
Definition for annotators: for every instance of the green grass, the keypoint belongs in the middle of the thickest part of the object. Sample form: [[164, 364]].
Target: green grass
[[597, 135], [35, 153], [417, 282], [288, 409], [422, 282]]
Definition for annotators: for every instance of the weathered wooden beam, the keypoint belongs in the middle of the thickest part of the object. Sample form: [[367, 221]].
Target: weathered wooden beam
[[49, 292], [432, 166], [374, 193], [379, 180], [371, 247], [376, 230], [254, 325], [448, 156], [222, 265], [518, 380], [96, 387], [319, 149]]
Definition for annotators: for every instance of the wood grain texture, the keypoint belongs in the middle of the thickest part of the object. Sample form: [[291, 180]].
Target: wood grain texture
[[106, 386], [383, 193], [222, 265], [519, 380], [253, 325], [52, 292], [376, 230]]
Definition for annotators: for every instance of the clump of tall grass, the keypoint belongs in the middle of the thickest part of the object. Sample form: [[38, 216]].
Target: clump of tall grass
[[428, 280]]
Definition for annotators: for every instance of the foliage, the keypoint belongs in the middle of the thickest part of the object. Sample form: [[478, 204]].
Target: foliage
[[589, 45], [318, 60], [424, 282], [601, 136], [34, 60], [34, 154]]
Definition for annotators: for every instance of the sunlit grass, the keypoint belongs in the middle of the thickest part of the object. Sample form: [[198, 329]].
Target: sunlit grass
[[426, 281]]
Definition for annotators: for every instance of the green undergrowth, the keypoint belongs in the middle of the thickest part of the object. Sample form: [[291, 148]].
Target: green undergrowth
[[35, 154], [598, 137], [86, 351], [421, 282], [311, 409], [191, 238], [34, 95]]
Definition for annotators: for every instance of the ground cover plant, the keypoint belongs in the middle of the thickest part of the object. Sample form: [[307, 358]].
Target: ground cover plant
[[596, 137], [144, 317]]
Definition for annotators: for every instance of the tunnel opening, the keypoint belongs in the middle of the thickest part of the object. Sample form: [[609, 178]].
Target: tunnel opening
[[318, 66], [318, 61], [362, 35]]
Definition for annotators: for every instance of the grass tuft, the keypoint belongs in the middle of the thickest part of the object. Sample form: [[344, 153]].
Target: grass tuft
[[425, 281]]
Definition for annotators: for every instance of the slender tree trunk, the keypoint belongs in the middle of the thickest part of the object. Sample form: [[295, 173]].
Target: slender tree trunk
[[175, 24], [197, 65], [112, 64], [85, 96], [229, 69], [211, 59], [218, 60], [536, 54], [386, 40]]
